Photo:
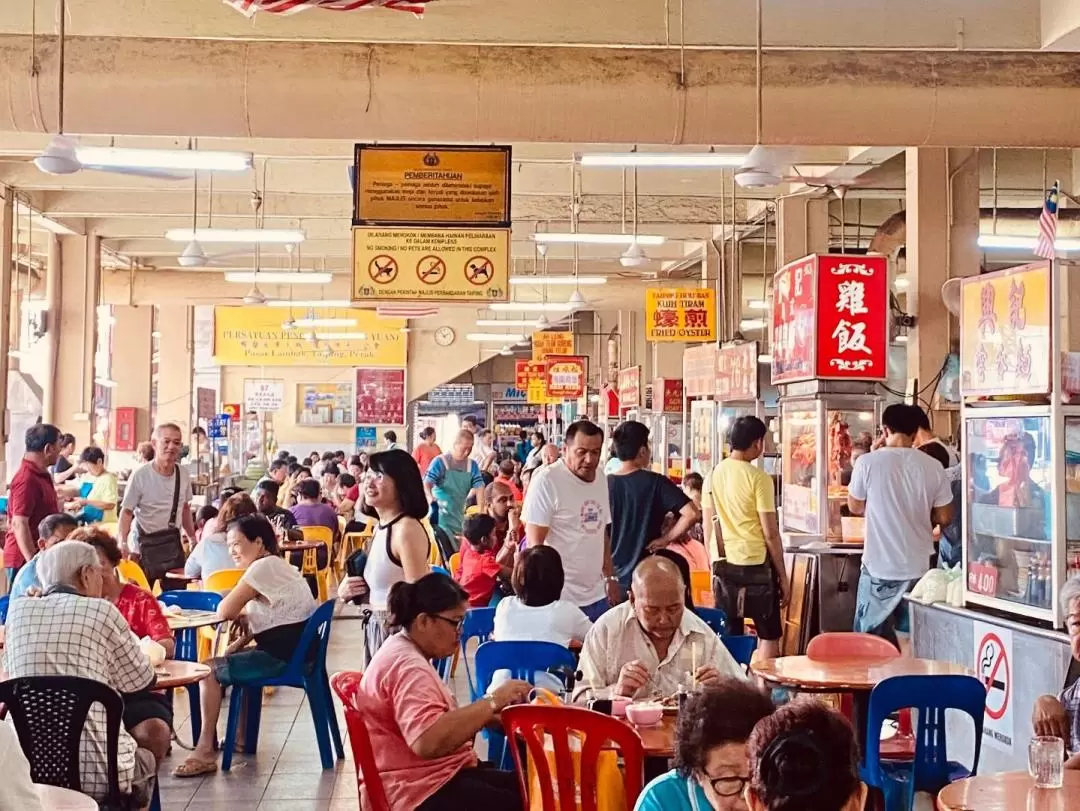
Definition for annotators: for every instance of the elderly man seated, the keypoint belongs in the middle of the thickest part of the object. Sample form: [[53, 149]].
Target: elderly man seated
[[1059, 716], [70, 631], [652, 644]]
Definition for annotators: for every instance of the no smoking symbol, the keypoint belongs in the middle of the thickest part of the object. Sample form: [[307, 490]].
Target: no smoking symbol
[[383, 269], [994, 674], [431, 269], [479, 270]]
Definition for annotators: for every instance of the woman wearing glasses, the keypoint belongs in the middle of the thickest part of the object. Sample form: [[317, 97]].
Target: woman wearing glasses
[[423, 742], [712, 769]]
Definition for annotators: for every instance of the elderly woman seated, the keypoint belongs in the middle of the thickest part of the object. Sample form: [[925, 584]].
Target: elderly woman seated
[[70, 631], [1059, 716], [712, 768], [271, 604]]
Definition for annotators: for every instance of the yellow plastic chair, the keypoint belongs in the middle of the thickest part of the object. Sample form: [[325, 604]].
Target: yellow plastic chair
[[350, 542], [131, 572], [310, 566], [223, 580], [473, 510], [455, 559], [701, 588]]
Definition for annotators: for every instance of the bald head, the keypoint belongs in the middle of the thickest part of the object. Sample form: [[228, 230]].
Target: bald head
[[549, 454], [657, 596], [463, 444], [657, 572]]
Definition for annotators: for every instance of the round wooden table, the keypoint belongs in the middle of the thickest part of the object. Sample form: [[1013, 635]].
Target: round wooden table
[[191, 619], [63, 799], [172, 674], [1009, 791], [658, 740], [301, 546]]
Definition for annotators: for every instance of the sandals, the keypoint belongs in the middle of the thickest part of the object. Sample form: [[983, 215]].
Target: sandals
[[192, 767]]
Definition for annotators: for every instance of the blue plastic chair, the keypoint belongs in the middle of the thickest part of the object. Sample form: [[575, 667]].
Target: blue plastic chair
[[307, 674], [524, 660], [445, 665], [4, 601], [187, 642], [715, 618], [931, 770], [741, 647], [479, 624]]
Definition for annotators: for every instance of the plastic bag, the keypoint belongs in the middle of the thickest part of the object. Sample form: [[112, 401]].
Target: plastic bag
[[933, 587]]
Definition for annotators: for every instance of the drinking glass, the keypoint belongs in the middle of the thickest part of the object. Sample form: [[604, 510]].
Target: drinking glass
[[1046, 759]]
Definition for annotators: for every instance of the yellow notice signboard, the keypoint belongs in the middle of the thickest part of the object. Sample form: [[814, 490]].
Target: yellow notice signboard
[[431, 264], [1005, 332], [432, 185], [680, 314], [253, 336], [552, 343]]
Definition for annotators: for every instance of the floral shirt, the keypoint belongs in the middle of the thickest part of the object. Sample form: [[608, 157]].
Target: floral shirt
[[143, 614]]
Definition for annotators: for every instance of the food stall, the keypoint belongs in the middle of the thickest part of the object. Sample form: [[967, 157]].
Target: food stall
[[666, 428], [1021, 503], [737, 390], [830, 337], [699, 387]]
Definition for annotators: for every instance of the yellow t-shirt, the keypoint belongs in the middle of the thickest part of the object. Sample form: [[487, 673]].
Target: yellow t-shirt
[[104, 488], [742, 491]]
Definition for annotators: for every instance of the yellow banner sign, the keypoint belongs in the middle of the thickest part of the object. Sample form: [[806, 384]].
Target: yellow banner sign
[[552, 343], [680, 314], [253, 336], [432, 185], [431, 264], [1005, 332]]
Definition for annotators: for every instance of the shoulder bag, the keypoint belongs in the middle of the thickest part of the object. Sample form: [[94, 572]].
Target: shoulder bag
[[737, 589], [162, 550]]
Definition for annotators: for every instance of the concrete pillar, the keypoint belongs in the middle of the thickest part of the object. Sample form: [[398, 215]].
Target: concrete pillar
[[802, 227], [131, 363], [52, 333], [1070, 271], [73, 384], [942, 228], [176, 362], [6, 307]]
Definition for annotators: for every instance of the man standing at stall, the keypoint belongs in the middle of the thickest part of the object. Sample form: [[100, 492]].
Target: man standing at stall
[[903, 493], [450, 479]]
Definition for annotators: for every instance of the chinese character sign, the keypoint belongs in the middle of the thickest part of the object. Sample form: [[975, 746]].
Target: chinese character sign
[[852, 327], [792, 346], [629, 383], [567, 376], [737, 373], [552, 343], [531, 377], [680, 314], [699, 370], [1005, 332], [667, 394]]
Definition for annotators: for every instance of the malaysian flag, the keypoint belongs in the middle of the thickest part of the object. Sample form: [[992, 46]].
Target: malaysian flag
[[1048, 224], [406, 310], [252, 7]]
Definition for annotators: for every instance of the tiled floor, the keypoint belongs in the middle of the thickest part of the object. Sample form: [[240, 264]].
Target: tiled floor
[[285, 774]]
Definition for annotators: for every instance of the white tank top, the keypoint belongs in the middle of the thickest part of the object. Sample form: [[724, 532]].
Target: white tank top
[[382, 570]]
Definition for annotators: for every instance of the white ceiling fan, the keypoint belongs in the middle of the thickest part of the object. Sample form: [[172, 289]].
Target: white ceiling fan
[[634, 256], [193, 255]]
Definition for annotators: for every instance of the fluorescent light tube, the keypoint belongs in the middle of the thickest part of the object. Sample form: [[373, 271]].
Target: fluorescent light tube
[[553, 281], [105, 382], [764, 358], [1024, 243], [599, 239], [752, 323], [321, 322], [276, 236], [341, 336], [901, 339], [901, 281], [688, 160], [530, 307], [495, 337], [509, 322], [757, 304], [164, 159], [302, 304], [279, 277]]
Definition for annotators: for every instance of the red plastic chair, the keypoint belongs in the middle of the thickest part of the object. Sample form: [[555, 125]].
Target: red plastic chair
[[532, 723], [347, 687], [852, 645]]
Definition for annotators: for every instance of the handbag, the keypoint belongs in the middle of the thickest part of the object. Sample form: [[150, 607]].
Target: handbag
[[162, 550]]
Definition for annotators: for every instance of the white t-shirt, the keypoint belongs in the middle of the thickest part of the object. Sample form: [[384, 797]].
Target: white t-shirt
[[149, 495], [576, 514], [558, 622], [16, 789], [900, 487], [285, 597]]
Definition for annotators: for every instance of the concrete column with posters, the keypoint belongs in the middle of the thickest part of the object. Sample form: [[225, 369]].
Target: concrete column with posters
[[941, 242], [131, 363], [76, 335], [802, 227], [176, 365], [7, 308]]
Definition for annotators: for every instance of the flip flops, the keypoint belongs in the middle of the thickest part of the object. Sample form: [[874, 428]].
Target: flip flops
[[193, 767]]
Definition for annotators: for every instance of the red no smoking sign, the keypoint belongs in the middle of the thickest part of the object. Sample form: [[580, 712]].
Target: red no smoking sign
[[993, 669]]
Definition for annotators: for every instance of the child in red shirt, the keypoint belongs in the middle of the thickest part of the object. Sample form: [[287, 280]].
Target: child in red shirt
[[481, 566]]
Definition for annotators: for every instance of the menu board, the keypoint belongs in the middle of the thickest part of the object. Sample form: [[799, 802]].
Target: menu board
[[629, 382], [737, 373], [380, 396], [699, 370]]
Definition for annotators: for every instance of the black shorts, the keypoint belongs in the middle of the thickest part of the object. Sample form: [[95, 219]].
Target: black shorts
[[762, 605], [144, 705]]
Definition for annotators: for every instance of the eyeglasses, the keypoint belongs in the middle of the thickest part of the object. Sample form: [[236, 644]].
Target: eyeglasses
[[457, 623], [727, 786]]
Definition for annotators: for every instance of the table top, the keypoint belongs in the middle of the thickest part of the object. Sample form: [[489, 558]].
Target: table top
[[854, 673], [63, 799], [659, 740], [301, 546], [1009, 791], [172, 673], [191, 619]]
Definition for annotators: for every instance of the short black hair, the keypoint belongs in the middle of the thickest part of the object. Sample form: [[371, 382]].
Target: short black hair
[[506, 467], [92, 455], [745, 431], [328, 456], [390, 436], [900, 418], [937, 451], [724, 712], [331, 470], [921, 419], [431, 594], [629, 438], [539, 576], [292, 460], [270, 487], [67, 439], [40, 435], [355, 460], [278, 464], [405, 473], [257, 528], [283, 456], [310, 488], [50, 523], [693, 481], [468, 418], [346, 480], [294, 467], [339, 454], [477, 528], [583, 427], [425, 433], [206, 512]]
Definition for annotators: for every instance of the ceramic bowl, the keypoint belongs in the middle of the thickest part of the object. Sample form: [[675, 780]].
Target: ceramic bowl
[[619, 705], [645, 714]]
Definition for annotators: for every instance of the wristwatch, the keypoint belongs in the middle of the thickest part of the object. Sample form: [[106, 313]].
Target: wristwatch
[[611, 579]]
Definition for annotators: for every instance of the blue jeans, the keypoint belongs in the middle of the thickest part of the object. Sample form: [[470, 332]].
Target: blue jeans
[[880, 608], [595, 610]]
